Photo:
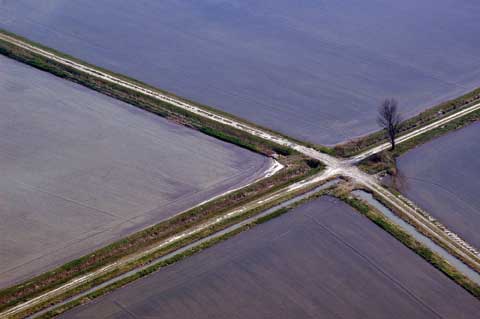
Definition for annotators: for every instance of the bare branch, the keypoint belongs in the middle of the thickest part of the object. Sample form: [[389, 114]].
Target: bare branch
[[389, 118]]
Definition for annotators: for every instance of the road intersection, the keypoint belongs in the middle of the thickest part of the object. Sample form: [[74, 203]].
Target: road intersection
[[334, 167]]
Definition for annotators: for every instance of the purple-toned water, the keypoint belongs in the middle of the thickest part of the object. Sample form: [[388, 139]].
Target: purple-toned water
[[443, 177], [79, 169], [313, 69], [321, 260]]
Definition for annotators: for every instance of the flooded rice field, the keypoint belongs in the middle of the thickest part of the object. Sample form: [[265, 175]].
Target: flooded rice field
[[443, 177], [315, 70], [322, 259], [413, 232], [79, 169]]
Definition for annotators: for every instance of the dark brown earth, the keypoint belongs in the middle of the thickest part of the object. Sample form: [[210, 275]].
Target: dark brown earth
[[321, 260], [79, 170]]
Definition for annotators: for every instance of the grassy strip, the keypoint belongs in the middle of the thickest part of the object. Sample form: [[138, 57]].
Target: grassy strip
[[228, 138], [427, 136], [280, 150], [420, 249], [428, 116], [359, 205], [98, 293], [386, 160], [142, 101], [39, 62], [150, 236], [421, 230], [297, 168], [162, 264]]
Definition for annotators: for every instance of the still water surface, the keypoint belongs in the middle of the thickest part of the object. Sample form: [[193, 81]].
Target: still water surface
[[315, 70]]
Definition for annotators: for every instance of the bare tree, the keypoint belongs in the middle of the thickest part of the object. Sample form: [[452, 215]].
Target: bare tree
[[389, 119]]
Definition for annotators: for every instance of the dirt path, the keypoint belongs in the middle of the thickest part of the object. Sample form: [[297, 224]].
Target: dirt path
[[334, 167], [292, 189], [408, 136]]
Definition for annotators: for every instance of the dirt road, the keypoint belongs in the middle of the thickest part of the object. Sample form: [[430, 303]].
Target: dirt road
[[334, 167]]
